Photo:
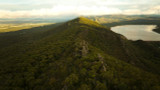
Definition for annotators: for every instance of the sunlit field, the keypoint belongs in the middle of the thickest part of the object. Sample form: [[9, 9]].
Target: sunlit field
[[16, 27]]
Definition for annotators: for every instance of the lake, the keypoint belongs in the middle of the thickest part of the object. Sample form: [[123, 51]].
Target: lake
[[138, 32]]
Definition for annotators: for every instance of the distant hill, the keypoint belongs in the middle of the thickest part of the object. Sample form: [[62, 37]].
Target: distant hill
[[103, 19], [79, 54], [36, 20]]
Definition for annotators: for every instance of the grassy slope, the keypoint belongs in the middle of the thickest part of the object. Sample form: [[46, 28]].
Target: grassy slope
[[80, 54]]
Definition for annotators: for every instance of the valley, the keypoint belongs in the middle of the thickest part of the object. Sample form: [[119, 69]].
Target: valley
[[116, 20], [16, 27]]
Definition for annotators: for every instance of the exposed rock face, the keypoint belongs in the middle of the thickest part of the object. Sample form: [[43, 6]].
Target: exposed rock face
[[84, 50], [81, 48], [101, 59]]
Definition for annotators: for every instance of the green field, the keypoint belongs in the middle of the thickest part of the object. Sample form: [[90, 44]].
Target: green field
[[16, 27]]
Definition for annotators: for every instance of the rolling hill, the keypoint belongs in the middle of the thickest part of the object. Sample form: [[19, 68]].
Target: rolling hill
[[78, 55]]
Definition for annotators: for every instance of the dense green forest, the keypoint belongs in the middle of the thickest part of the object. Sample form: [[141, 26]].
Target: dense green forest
[[77, 55]]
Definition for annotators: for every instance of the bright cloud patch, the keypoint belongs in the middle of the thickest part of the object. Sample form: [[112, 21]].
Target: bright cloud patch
[[52, 8], [59, 10]]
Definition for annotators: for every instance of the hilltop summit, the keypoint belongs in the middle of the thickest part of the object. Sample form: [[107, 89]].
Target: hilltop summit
[[83, 20]]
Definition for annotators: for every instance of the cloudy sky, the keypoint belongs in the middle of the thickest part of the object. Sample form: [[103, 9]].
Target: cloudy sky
[[54, 8]]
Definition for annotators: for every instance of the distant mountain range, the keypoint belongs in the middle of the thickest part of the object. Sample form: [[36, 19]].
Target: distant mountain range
[[101, 18], [79, 54], [36, 20]]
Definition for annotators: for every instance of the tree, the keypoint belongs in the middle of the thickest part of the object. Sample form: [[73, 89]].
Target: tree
[[84, 87], [71, 80], [100, 86]]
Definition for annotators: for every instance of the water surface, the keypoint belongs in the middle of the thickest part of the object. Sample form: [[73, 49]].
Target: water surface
[[138, 32]]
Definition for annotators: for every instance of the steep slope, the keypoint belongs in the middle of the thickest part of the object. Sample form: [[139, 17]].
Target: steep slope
[[77, 55], [25, 35]]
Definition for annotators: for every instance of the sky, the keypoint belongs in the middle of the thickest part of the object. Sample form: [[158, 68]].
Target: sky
[[56, 8]]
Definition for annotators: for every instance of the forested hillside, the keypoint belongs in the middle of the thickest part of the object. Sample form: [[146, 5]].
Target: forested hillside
[[77, 55]]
